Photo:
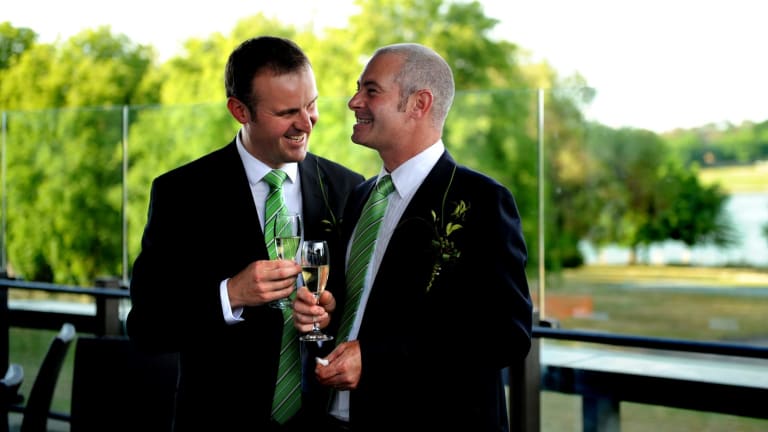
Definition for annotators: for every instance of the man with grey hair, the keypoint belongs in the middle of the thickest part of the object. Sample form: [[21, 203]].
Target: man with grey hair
[[436, 301]]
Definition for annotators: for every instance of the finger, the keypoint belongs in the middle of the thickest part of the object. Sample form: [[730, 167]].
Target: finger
[[282, 269], [336, 352], [327, 301], [305, 320], [303, 304], [306, 295]]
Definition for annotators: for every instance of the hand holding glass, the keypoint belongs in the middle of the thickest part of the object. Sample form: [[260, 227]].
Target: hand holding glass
[[314, 269], [287, 240]]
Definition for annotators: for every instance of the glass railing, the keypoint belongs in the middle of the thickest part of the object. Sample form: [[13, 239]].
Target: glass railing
[[620, 223]]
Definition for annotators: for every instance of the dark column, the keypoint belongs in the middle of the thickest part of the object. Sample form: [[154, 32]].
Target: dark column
[[5, 326], [525, 390], [108, 309]]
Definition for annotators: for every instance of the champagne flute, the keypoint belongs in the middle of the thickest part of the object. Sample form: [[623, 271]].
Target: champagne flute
[[287, 240], [314, 269]]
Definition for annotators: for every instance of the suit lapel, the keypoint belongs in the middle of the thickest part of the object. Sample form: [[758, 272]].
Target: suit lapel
[[355, 205], [419, 211], [243, 212], [411, 247], [311, 196]]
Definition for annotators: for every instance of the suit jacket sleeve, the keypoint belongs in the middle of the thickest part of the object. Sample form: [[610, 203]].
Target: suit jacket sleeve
[[202, 227]]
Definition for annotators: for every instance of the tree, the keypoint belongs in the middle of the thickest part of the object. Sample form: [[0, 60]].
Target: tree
[[647, 196], [13, 42], [625, 182], [64, 193], [684, 210]]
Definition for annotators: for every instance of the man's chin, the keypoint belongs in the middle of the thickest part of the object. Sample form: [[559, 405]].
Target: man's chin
[[361, 142], [297, 155], [357, 139]]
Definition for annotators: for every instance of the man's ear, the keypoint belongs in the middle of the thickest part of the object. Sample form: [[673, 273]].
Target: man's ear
[[421, 103], [238, 110]]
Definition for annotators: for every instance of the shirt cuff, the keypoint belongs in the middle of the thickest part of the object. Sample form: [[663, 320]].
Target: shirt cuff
[[231, 316]]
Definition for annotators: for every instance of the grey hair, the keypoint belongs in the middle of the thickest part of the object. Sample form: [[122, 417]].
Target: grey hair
[[423, 68]]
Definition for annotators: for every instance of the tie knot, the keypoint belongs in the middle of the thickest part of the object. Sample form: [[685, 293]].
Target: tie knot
[[275, 179], [385, 186]]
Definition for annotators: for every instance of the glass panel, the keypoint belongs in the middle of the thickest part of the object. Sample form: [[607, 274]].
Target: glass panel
[[655, 234]]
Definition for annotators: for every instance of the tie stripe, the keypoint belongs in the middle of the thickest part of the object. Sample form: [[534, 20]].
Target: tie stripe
[[287, 399], [275, 205], [363, 243]]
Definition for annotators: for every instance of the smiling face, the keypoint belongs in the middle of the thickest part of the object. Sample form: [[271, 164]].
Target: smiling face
[[277, 129], [380, 115]]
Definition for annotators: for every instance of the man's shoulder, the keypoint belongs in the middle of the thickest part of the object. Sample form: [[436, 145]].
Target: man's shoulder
[[203, 164], [467, 176]]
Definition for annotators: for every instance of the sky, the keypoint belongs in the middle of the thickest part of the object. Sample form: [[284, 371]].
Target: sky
[[655, 64]]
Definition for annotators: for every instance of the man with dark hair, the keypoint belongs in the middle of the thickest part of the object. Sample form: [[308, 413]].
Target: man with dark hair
[[205, 277]]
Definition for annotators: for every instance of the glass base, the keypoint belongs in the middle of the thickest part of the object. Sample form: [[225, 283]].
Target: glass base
[[315, 337]]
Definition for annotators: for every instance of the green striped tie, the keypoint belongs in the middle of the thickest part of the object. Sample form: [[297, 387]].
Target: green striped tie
[[287, 399], [274, 206], [362, 249]]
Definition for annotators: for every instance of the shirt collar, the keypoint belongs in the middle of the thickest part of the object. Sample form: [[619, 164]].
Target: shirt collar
[[411, 174], [256, 169]]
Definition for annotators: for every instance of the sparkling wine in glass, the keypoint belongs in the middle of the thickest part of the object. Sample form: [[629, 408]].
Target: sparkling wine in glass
[[314, 269], [287, 241]]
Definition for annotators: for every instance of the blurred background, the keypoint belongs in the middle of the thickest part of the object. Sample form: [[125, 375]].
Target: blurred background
[[633, 135]]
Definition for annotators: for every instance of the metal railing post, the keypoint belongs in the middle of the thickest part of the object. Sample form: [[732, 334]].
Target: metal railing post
[[525, 389], [5, 327], [108, 309]]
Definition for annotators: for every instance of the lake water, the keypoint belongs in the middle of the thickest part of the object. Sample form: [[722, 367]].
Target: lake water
[[748, 213]]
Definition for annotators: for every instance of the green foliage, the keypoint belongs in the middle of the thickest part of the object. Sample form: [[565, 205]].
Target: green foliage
[[93, 68], [481, 133], [713, 145], [162, 138], [64, 188], [29, 84], [649, 196], [63, 219], [682, 209], [13, 42]]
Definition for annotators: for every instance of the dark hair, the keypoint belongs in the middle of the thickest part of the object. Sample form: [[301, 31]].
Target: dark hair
[[277, 55]]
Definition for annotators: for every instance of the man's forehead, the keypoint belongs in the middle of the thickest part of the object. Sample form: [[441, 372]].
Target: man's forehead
[[381, 70]]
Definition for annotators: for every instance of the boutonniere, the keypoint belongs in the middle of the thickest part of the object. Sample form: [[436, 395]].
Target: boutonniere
[[443, 246]]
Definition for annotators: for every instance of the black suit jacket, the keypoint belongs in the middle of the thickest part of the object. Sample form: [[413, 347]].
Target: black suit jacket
[[203, 227], [432, 353]]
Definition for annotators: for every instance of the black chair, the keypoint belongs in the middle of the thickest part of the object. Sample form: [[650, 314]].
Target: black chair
[[117, 388], [9, 392], [38, 404]]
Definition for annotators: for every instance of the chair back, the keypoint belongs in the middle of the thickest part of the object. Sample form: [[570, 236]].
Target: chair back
[[41, 395], [116, 387], [9, 392]]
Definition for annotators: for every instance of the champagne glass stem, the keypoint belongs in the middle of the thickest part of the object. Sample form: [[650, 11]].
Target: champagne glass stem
[[315, 324]]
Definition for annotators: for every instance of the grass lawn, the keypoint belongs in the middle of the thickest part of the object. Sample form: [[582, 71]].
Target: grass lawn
[[562, 413], [734, 179], [725, 304]]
